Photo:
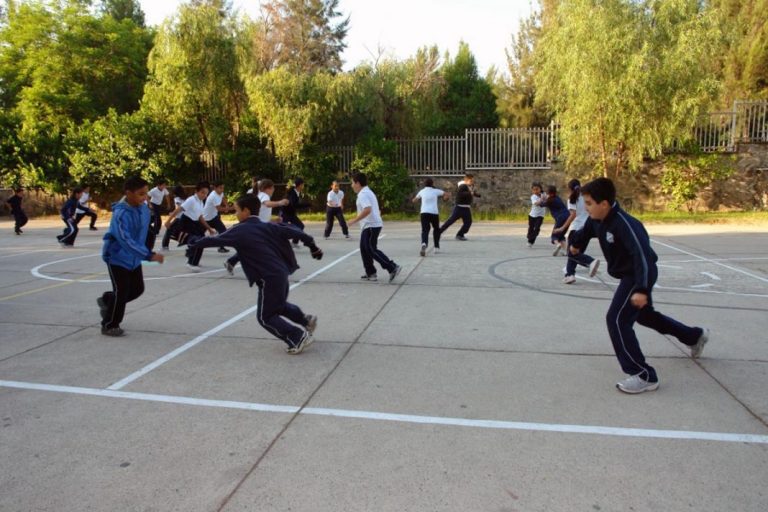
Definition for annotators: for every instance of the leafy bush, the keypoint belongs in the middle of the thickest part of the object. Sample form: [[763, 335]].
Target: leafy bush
[[686, 175], [389, 179]]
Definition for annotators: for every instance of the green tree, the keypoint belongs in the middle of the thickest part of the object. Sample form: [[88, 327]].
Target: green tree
[[626, 79], [378, 159], [124, 9]]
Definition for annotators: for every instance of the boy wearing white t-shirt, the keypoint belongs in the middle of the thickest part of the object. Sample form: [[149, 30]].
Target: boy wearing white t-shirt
[[335, 210], [83, 210], [369, 216], [577, 217], [536, 216], [213, 208], [430, 214], [156, 196]]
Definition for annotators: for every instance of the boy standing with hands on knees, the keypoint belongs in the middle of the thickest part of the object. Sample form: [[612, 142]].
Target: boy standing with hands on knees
[[627, 249], [267, 258]]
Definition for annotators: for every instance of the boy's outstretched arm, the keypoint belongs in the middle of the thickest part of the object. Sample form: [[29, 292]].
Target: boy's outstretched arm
[[580, 237], [229, 238], [289, 232]]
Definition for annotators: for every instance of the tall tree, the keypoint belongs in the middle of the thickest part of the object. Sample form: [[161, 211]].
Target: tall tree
[[301, 34], [194, 85], [124, 9], [627, 78]]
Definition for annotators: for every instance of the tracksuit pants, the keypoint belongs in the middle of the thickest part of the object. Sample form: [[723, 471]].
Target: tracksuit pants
[[273, 308], [369, 251], [70, 232], [580, 259], [430, 220], [87, 212], [293, 220], [335, 213], [21, 220], [534, 227], [157, 219], [459, 212], [127, 285], [621, 318]]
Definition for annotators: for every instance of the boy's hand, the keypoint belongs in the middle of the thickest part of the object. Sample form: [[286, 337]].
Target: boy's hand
[[317, 253], [157, 257], [575, 250], [639, 300], [211, 231]]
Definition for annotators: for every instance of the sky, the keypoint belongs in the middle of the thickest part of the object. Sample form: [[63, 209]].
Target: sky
[[400, 27]]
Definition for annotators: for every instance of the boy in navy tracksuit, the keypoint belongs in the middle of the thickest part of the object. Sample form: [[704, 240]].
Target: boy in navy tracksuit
[[267, 259], [17, 211], [68, 215], [627, 249], [123, 251]]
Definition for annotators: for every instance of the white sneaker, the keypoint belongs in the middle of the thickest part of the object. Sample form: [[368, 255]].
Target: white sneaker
[[306, 341], [635, 384], [593, 267], [698, 348], [569, 279], [194, 268], [530, 245], [437, 250], [423, 251]]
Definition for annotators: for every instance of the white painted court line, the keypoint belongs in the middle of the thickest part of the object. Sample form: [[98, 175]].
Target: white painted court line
[[401, 418], [171, 355], [714, 262], [710, 275]]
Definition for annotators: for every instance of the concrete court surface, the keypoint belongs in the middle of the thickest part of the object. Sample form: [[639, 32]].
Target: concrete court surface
[[476, 382]]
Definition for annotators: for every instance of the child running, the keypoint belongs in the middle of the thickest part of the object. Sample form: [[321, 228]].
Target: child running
[[289, 212], [268, 260], [215, 205], [335, 210], [192, 223], [83, 210], [629, 256], [536, 216], [267, 187], [173, 227], [68, 214], [123, 251], [17, 211], [461, 210], [430, 214], [576, 219], [157, 195], [369, 216], [560, 213]]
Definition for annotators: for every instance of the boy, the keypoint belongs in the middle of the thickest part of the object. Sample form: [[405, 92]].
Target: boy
[[83, 210], [215, 205], [68, 215], [156, 197], [268, 260], [430, 214], [627, 249], [369, 216], [267, 188], [192, 223], [123, 252], [462, 210], [536, 215], [290, 210], [16, 210], [335, 210]]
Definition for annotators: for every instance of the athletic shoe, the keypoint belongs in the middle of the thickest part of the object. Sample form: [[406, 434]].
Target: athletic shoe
[[593, 267], [194, 268], [115, 332], [437, 250], [557, 250], [223, 250], [569, 279], [371, 277], [311, 323], [423, 251], [67, 246], [530, 245], [698, 348], [635, 384], [93, 228], [328, 238], [394, 273], [306, 341], [348, 237], [461, 238], [230, 268], [166, 249], [103, 308]]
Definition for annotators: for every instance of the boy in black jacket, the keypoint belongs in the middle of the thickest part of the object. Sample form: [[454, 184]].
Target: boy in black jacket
[[17, 211], [290, 212], [627, 249], [267, 260]]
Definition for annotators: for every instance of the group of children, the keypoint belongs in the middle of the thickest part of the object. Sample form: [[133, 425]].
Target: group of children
[[265, 252]]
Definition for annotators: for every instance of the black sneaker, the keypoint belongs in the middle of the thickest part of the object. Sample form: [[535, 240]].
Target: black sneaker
[[394, 273], [103, 308], [461, 238], [93, 228], [115, 332], [311, 323], [18, 231], [223, 250], [230, 268], [423, 251], [371, 277]]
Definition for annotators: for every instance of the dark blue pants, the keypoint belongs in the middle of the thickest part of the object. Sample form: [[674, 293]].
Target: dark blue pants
[[621, 318], [534, 227], [369, 251], [580, 259], [87, 212], [70, 232], [430, 220], [558, 237], [335, 213], [459, 212], [21, 220], [157, 220], [273, 306], [127, 285]]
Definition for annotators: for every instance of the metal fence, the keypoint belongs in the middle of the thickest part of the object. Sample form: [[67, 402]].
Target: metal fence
[[433, 156], [511, 148]]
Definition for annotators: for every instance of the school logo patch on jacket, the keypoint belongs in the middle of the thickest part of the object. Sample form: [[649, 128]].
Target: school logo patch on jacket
[[609, 237]]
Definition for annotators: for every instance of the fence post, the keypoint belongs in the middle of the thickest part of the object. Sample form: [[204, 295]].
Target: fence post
[[734, 115]]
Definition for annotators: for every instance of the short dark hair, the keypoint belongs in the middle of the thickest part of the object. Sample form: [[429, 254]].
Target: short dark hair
[[18, 189], [134, 183], [179, 191], [250, 202], [551, 189], [76, 191], [217, 184], [537, 184], [429, 182], [162, 181], [360, 178], [265, 184], [468, 175], [601, 189], [201, 185], [298, 181]]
